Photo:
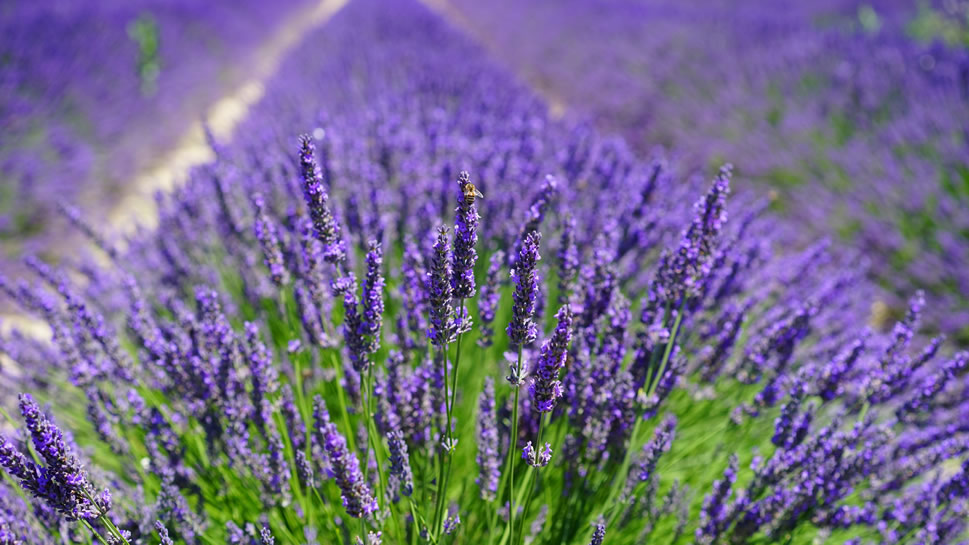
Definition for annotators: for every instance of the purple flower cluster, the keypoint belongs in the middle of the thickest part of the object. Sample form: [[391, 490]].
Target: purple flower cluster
[[796, 413], [343, 464], [59, 481], [522, 329], [854, 123], [546, 387]]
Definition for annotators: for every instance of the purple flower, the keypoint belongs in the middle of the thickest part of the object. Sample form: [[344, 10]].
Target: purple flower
[[522, 330], [599, 534], [325, 225], [400, 463], [266, 536], [451, 523], [264, 229], [163, 533], [489, 462], [60, 481], [489, 298], [373, 298], [442, 329], [304, 470], [546, 387], [712, 514], [536, 211], [465, 238], [683, 271], [568, 260], [537, 458], [660, 443], [353, 324], [344, 466]]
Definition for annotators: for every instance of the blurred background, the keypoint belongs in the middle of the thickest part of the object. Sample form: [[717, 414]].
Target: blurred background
[[853, 116], [94, 94]]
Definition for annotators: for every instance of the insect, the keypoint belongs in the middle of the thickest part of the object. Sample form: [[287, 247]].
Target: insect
[[471, 192]]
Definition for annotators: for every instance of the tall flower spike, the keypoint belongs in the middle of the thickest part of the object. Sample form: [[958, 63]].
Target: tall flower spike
[[465, 238], [373, 299], [266, 536], [442, 329], [264, 229], [568, 260], [546, 387], [713, 513], [660, 443], [61, 482], [353, 323], [599, 534], [400, 463], [325, 225], [489, 462], [163, 533], [522, 329], [344, 466], [488, 299], [682, 271]]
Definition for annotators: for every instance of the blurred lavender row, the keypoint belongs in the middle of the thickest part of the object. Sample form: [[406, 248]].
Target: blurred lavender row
[[856, 112], [92, 92]]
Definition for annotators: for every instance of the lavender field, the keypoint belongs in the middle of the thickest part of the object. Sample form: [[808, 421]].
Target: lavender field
[[548, 272]]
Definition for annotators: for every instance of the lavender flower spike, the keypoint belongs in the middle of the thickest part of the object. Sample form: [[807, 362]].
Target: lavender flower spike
[[264, 229], [465, 238], [400, 463], [61, 482], [442, 328], [325, 225], [344, 466], [568, 260], [163, 533], [488, 300], [373, 298], [522, 329], [599, 534], [546, 387], [489, 462]]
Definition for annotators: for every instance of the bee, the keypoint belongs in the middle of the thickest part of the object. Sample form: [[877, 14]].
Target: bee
[[471, 193]]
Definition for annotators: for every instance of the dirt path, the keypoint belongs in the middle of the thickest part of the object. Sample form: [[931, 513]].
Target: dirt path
[[137, 206]]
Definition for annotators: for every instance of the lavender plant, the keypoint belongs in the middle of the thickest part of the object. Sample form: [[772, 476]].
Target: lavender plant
[[857, 108], [681, 369]]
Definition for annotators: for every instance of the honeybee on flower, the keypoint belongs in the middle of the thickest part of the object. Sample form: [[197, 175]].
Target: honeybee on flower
[[471, 193]]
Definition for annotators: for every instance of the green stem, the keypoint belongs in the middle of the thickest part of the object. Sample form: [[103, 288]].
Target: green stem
[[666, 353], [512, 448], [450, 398], [351, 437], [531, 489], [93, 531], [442, 473], [373, 441], [457, 362]]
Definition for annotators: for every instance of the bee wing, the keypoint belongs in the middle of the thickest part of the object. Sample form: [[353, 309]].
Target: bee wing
[[477, 193]]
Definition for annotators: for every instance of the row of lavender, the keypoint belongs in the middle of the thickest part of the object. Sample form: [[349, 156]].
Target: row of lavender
[[346, 338], [833, 103], [91, 92]]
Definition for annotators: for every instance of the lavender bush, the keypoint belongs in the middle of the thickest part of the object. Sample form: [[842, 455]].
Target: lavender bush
[[858, 108], [332, 338]]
